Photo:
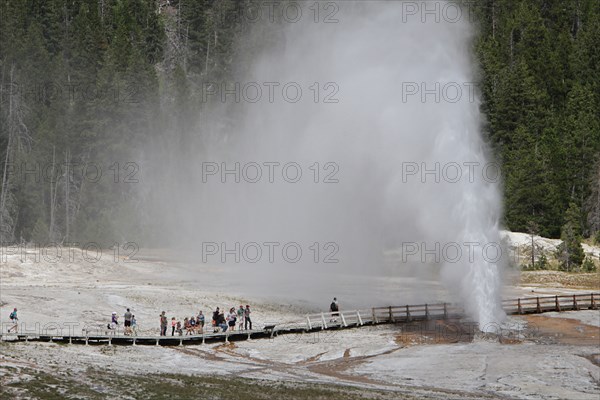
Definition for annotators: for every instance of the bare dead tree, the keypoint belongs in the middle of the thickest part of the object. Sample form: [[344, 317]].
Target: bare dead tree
[[67, 180], [53, 194], [19, 140], [532, 229], [593, 201]]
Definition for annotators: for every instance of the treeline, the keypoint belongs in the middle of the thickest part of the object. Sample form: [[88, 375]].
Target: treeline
[[87, 85], [540, 63]]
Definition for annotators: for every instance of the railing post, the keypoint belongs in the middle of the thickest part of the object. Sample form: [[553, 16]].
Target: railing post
[[343, 319], [408, 313], [359, 319], [323, 321], [575, 307], [391, 316], [592, 305], [557, 303], [519, 309], [308, 323], [445, 311], [374, 316], [538, 308], [426, 312]]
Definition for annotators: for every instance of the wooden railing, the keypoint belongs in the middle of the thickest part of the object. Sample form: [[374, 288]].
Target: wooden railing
[[329, 320], [538, 304], [407, 313]]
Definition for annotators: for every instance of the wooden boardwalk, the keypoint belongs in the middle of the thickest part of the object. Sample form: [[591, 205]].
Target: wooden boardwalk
[[319, 322]]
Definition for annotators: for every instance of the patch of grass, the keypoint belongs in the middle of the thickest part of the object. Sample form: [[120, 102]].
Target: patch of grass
[[96, 384], [42, 385]]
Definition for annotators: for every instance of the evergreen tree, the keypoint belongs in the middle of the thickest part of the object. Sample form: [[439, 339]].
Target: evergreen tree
[[570, 252]]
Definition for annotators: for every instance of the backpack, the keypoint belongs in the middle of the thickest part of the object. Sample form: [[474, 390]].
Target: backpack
[[12, 315], [333, 306]]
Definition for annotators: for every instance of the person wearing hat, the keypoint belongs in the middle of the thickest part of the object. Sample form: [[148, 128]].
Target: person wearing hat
[[114, 322]]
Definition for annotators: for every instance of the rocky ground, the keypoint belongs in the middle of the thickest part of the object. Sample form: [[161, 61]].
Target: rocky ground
[[549, 356]]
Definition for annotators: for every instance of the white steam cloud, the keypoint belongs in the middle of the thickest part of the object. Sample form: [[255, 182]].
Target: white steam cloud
[[371, 127]]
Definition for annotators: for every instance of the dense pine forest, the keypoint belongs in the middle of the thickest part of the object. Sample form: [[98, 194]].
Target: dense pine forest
[[85, 85]]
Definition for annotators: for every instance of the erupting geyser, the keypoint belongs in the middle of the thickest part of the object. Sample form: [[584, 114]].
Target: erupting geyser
[[383, 104]]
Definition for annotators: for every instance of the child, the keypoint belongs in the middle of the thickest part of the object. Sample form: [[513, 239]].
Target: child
[[173, 326], [114, 323], [193, 325]]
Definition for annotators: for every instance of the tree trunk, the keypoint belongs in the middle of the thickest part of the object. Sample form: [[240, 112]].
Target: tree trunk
[[67, 189], [5, 175], [52, 196]]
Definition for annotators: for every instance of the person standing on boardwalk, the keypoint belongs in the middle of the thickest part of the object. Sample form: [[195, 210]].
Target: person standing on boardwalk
[[133, 325], [127, 322], [173, 326], [200, 322], [15, 320], [215, 316], [247, 319], [114, 322], [334, 307], [240, 317], [231, 318], [163, 324]]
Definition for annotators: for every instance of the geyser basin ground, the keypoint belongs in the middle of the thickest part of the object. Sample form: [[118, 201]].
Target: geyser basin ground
[[401, 362]]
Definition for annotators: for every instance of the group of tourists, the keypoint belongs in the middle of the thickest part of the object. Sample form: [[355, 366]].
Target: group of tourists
[[129, 326], [191, 326], [219, 322]]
